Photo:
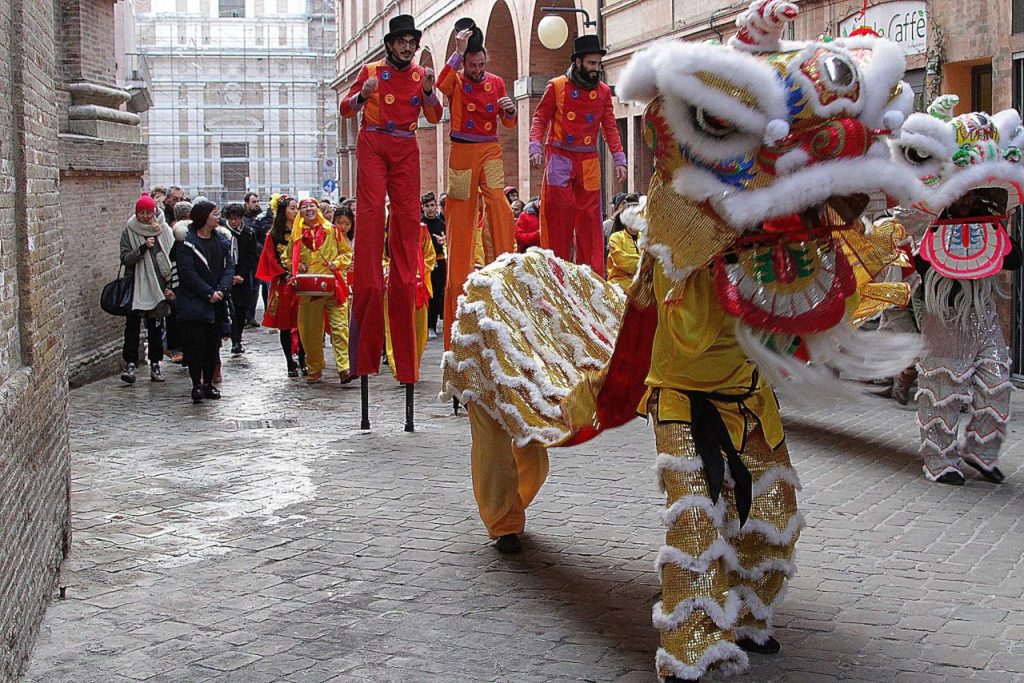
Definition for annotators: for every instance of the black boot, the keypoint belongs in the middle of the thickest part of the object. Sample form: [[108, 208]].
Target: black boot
[[210, 391], [197, 394], [769, 647], [993, 474]]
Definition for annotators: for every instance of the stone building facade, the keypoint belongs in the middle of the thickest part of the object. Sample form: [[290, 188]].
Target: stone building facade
[[240, 95], [69, 167]]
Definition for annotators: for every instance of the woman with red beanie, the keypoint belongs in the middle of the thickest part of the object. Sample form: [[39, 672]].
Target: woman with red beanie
[[146, 243]]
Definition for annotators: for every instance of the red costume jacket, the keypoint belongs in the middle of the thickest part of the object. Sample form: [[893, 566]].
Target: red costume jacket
[[570, 117], [473, 106], [395, 107]]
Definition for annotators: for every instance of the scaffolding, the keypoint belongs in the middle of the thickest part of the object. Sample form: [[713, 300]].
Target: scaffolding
[[239, 104]]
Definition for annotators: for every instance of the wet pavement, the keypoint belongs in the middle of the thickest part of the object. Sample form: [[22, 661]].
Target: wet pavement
[[265, 537]]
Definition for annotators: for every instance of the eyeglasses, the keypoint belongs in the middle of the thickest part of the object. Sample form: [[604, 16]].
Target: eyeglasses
[[406, 42]]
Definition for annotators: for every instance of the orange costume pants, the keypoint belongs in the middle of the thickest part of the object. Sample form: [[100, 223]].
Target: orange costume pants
[[386, 165], [474, 170], [506, 478], [570, 207]]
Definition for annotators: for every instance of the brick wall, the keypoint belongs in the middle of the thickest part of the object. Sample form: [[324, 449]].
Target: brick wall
[[34, 458], [94, 208]]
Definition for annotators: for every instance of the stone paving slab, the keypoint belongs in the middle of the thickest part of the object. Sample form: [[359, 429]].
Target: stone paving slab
[[211, 547]]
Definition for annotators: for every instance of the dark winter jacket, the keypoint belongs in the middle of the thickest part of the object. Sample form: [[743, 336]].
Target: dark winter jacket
[[199, 280]]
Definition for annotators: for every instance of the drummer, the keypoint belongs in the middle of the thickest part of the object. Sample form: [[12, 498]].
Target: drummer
[[319, 261]]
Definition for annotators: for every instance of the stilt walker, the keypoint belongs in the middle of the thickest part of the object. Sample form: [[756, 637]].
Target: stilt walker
[[575, 107], [391, 94], [478, 104]]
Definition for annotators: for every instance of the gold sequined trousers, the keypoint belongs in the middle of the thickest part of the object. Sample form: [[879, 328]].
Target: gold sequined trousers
[[720, 582]]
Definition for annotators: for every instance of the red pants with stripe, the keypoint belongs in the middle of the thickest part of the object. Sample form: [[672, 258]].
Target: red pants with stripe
[[386, 165]]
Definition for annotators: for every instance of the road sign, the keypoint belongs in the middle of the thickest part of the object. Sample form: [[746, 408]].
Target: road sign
[[330, 185]]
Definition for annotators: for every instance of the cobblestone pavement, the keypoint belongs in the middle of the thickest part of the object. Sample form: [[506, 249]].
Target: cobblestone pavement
[[265, 538]]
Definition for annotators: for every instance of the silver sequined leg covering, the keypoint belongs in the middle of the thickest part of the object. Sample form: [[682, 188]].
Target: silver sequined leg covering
[[964, 368]]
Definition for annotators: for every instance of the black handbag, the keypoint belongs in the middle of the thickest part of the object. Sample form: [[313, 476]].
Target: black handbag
[[116, 297]]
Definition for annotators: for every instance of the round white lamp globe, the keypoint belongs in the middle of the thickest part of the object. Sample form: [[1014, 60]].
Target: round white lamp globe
[[553, 32]]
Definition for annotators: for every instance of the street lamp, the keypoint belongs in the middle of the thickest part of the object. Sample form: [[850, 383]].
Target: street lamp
[[553, 31]]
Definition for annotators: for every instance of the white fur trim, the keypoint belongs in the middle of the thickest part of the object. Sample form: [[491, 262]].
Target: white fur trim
[[1008, 123], [718, 550], [997, 434], [893, 120], [770, 532], [775, 131], [724, 618], [774, 474], [928, 444], [676, 66], [716, 512], [728, 656], [801, 190], [677, 463], [940, 402]]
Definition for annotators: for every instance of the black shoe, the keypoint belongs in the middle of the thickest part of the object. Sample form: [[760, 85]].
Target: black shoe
[[769, 647], [128, 376], [304, 370], [252, 323], [953, 478], [210, 391], [509, 544], [993, 474], [237, 350], [293, 372], [197, 395]]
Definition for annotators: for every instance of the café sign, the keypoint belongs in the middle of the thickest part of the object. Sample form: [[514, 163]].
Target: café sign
[[905, 22]]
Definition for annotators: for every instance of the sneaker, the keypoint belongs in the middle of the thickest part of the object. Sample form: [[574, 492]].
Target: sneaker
[[992, 473], [210, 391], [154, 373], [237, 350], [509, 544], [769, 647], [304, 370], [293, 372], [128, 376], [197, 395]]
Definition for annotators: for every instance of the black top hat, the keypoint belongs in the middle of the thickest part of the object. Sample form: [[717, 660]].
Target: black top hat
[[476, 41], [587, 45], [402, 25]]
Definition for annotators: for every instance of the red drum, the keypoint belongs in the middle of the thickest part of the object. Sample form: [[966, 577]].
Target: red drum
[[312, 284]]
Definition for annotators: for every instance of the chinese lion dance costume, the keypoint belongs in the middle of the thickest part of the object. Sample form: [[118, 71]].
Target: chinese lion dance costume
[[765, 152], [973, 179]]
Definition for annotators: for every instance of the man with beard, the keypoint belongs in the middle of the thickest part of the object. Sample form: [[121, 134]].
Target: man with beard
[[390, 93], [574, 109], [477, 101]]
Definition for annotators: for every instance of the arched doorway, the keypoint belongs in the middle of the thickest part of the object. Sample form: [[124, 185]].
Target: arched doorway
[[503, 61], [426, 136], [544, 64]]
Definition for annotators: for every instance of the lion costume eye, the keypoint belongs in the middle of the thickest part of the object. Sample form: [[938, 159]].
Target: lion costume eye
[[840, 72], [712, 125], [916, 156]]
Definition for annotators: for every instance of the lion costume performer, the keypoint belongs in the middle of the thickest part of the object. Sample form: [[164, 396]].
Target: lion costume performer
[[764, 150], [971, 167]]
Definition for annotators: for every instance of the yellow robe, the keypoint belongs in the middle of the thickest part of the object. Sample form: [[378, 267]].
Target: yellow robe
[[623, 259]]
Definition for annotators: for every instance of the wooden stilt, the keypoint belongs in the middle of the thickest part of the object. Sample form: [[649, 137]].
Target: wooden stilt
[[364, 392], [409, 398], [455, 406]]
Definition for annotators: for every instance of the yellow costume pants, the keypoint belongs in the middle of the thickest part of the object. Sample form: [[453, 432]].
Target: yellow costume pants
[[720, 582], [474, 170], [505, 478], [419, 320], [311, 331]]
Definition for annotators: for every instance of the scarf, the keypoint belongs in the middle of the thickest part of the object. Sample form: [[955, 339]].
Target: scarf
[[153, 272]]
